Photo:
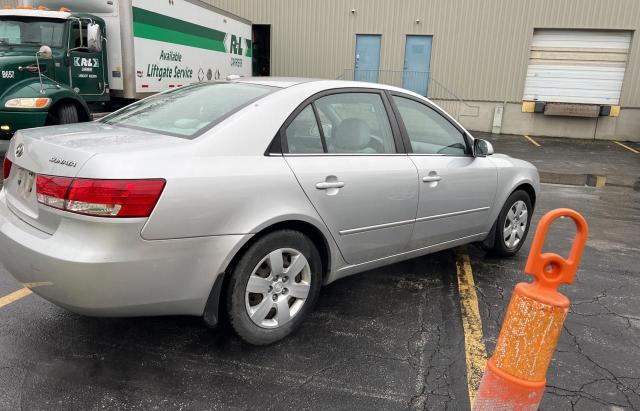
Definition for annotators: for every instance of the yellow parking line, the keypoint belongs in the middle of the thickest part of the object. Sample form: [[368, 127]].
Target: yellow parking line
[[534, 142], [633, 150], [14, 296], [475, 350]]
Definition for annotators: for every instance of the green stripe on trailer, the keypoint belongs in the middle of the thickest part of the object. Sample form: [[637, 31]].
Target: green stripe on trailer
[[175, 37], [169, 23], [155, 26]]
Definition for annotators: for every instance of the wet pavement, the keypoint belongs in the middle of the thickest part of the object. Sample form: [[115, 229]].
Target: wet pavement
[[387, 339], [597, 362], [565, 156], [391, 338]]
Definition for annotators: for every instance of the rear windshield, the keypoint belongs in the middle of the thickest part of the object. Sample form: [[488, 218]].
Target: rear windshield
[[188, 111]]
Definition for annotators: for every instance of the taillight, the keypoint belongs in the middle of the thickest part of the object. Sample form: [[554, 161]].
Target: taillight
[[6, 168], [114, 198], [103, 198], [52, 191]]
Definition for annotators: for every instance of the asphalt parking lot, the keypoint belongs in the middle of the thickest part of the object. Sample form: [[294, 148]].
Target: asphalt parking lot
[[391, 338]]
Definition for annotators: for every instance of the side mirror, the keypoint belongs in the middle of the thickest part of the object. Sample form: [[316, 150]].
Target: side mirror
[[482, 148], [94, 38], [45, 52]]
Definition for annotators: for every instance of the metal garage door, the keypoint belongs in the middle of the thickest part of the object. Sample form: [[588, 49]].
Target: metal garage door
[[577, 66]]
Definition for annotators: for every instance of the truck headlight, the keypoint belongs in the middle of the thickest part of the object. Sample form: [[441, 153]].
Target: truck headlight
[[39, 102]]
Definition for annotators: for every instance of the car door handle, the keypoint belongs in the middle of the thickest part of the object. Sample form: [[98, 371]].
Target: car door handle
[[329, 184], [429, 179]]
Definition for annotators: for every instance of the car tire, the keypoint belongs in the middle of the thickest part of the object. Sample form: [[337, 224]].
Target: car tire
[[512, 226], [278, 299], [65, 113]]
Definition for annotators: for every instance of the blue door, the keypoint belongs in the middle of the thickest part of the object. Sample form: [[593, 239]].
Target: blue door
[[367, 57], [417, 56]]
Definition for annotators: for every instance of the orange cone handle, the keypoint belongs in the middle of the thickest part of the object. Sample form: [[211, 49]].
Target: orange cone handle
[[549, 269], [515, 376]]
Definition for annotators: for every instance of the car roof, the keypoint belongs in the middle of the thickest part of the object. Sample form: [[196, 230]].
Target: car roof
[[280, 82], [285, 82]]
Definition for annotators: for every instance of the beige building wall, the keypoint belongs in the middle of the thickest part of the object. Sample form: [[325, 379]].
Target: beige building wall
[[480, 49]]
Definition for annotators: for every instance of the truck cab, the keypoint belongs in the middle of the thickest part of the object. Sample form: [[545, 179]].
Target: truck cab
[[52, 64]]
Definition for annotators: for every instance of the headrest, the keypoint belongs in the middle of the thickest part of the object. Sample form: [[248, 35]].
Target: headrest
[[352, 134]]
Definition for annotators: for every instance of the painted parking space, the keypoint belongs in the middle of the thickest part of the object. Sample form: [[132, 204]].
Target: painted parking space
[[531, 140], [627, 146], [14, 296], [392, 338]]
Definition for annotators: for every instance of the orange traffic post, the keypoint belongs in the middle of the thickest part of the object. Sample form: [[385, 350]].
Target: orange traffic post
[[515, 376]]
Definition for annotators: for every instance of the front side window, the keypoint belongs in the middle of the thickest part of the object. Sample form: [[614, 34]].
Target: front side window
[[187, 111], [30, 31], [428, 131], [78, 37], [355, 123]]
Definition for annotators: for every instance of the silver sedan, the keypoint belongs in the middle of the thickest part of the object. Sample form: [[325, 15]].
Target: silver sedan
[[246, 197]]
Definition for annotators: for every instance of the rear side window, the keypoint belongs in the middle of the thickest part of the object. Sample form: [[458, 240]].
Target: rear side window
[[428, 130], [303, 135], [188, 111]]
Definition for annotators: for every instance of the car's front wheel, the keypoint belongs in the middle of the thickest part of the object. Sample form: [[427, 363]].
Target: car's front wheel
[[273, 287], [512, 225]]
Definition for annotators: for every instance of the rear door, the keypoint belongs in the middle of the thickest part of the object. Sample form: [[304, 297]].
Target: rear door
[[353, 170], [456, 188]]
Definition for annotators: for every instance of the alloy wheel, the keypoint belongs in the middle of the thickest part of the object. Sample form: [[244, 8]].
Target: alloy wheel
[[515, 224], [278, 288]]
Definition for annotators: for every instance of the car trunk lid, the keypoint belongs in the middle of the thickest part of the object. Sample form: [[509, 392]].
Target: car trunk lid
[[62, 151]]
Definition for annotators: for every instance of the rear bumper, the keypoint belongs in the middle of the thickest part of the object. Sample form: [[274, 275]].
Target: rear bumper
[[107, 269], [17, 120]]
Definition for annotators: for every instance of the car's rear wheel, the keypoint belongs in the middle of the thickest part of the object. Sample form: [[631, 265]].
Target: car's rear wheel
[[512, 225], [273, 287]]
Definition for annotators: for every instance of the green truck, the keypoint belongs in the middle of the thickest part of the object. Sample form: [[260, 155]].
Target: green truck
[[59, 61]]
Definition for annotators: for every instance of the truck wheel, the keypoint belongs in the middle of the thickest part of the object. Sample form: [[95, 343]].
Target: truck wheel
[[65, 113]]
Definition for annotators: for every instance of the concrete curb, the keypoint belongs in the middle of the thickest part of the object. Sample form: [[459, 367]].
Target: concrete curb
[[590, 180]]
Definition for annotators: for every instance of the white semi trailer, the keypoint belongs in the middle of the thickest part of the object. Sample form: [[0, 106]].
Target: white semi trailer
[[155, 45]]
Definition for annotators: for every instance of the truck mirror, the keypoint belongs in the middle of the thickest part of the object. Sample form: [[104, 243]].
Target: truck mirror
[[45, 52], [94, 38]]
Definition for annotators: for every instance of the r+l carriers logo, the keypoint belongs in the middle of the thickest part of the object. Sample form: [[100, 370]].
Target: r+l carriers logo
[[86, 62], [235, 45]]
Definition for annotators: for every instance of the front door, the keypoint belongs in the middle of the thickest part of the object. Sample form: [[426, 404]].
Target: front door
[[349, 167], [456, 188], [367, 57], [86, 68], [417, 58]]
